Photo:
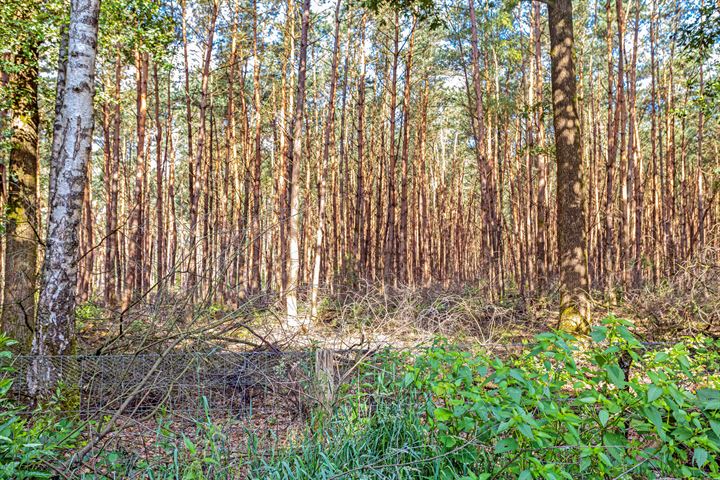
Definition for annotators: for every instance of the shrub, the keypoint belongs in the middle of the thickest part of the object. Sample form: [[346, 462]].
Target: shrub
[[567, 410]]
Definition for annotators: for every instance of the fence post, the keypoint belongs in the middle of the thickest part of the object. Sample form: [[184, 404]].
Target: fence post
[[325, 377]]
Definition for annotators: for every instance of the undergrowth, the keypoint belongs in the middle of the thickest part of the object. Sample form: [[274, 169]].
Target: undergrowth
[[603, 407], [30, 445]]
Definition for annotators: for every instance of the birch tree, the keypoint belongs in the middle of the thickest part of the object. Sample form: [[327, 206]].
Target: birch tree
[[55, 327]]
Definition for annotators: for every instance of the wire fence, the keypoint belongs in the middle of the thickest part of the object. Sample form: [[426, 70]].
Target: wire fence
[[237, 384], [227, 384]]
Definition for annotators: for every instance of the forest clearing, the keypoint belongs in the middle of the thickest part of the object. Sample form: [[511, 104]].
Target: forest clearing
[[373, 239]]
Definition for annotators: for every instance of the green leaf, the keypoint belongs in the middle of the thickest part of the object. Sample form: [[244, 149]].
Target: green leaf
[[654, 392], [684, 363], [682, 434], [709, 398], [517, 375], [715, 425], [604, 416], [614, 439], [653, 414], [616, 375], [526, 430], [568, 437], [661, 357], [442, 414], [525, 475], [189, 444], [605, 459], [626, 335], [506, 445], [598, 334], [700, 456], [587, 399], [448, 441]]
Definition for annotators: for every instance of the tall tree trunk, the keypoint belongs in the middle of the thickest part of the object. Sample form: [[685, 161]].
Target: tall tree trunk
[[359, 245], [112, 273], [286, 141], [403, 261], [389, 251], [322, 181], [635, 157], [172, 218], [621, 116], [159, 177], [85, 243], [256, 236], [574, 314], [21, 214], [193, 192], [653, 143], [541, 216], [484, 159], [229, 204], [55, 330], [297, 128], [700, 179], [612, 124], [198, 166], [136, 247]]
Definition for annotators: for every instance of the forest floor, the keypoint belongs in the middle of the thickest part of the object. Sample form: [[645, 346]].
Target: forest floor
[[285, 405], [685, 304]]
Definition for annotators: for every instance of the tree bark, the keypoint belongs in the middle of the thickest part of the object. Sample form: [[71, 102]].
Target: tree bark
[[359, 245], [136, 247], [404, 266], [21, 215], [322, 181], [193, 192], [55, 331], [59, 95], [255, 231], [389, 251], [297, 128], [572, 255], [159, 180], [112, 273]]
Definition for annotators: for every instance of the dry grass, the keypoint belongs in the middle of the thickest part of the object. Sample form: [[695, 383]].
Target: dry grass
[[367, 315], [685, 303]]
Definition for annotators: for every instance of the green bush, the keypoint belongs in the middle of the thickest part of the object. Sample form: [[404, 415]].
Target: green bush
[[28, 449], [605, 407], [568, 410]]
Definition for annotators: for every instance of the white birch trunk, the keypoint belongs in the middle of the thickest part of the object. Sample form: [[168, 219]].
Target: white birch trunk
[[55, 330]]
